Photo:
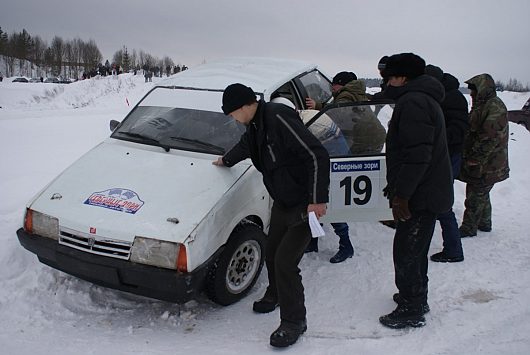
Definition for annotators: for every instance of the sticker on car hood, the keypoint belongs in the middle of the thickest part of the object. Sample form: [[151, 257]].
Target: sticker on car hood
[[116, 199]]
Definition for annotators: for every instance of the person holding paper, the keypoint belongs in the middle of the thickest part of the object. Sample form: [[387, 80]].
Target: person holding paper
[[295, 169]]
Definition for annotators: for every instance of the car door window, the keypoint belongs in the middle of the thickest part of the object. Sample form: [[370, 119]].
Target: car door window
[[289, 92], [356, 129], [316, 86]]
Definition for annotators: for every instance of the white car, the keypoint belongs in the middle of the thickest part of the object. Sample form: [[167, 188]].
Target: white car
[[146, 212]]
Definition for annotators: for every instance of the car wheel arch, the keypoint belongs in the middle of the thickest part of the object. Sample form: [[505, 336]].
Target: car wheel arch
[[225, 283]]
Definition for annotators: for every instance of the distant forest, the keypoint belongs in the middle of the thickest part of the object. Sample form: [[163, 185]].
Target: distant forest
[[30, 55]]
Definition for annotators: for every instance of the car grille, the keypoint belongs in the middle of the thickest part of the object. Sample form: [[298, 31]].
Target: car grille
[[89, 243]]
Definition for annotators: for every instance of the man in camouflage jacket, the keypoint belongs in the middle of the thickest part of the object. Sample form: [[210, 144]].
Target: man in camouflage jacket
[[485, 154]]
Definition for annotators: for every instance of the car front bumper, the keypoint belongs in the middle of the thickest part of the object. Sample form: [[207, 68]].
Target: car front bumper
[[150, 281]]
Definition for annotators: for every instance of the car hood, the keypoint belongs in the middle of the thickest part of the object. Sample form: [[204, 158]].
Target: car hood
[[120, 190]]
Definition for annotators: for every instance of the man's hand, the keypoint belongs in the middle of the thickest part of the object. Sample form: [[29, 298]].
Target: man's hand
[[318, 208], [400, 209], [310, 103], [218, 162]]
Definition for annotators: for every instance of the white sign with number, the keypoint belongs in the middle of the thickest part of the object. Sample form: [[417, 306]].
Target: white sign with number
[[355, 184], [356, 190]]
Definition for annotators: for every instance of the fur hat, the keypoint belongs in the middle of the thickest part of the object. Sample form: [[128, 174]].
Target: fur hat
[[382, 63], [343, 78], [409, 65], [434, 71], [236, 96]]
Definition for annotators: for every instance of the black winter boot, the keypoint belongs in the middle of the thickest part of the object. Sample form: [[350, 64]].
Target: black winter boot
[[404, 316], [443, 257], [399, 300], [341, 255], [345, 246], [266, 304], [287, 333]]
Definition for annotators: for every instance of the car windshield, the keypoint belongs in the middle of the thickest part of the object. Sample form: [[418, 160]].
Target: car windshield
[[186, 119]]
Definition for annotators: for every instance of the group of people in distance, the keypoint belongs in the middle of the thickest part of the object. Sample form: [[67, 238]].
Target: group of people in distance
[[431, 140]]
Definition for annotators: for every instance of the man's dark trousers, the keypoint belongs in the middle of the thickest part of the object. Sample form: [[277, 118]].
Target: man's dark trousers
[[411, 245], [289, 235], [452, 245]]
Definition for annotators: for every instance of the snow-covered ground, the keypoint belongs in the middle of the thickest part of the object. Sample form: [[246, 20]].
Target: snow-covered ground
[[480, 306]]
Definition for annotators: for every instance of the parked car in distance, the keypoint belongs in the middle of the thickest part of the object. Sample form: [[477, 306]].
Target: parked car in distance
[[20, 80], [64, 81], [52, 80], [146, 212], [521, 116], [34, 80]]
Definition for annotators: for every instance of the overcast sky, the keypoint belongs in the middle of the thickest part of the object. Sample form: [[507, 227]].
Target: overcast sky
[[463, 37]]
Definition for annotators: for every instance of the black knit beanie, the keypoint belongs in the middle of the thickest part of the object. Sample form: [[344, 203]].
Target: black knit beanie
[[236, 96], [343, 78], [409, 65]]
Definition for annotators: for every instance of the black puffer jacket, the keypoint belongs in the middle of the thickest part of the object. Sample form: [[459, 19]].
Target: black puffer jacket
[[455, 109], [294, 164], [418, 166]]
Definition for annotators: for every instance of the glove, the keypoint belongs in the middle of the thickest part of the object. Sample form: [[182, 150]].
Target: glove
[[386, 191], [400, 209]]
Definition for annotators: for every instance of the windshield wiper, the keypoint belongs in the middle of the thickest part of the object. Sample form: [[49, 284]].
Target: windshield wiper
[[146, 138], [196, 142]]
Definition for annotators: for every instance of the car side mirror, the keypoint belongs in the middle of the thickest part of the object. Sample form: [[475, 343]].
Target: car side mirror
[[113, 125]]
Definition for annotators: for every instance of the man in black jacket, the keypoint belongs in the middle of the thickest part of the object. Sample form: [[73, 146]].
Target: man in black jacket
[[419, 180], [455, 109], [295, 169]]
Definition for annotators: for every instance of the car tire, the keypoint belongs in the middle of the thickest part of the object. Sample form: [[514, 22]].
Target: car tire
[[238, 267]]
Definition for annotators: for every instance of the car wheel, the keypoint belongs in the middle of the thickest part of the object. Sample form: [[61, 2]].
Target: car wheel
[[238, 267]]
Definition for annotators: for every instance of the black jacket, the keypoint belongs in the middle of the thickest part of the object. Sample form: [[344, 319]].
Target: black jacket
[[294, 164], [455, 109], [418, 165]]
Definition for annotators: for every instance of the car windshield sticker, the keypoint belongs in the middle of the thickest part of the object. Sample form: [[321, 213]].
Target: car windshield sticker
[[116, 199]]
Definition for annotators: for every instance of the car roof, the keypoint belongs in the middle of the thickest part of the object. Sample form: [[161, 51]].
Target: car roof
[[263, 75]]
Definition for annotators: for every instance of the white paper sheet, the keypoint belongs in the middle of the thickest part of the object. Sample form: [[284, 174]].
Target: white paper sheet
[[316, 228]]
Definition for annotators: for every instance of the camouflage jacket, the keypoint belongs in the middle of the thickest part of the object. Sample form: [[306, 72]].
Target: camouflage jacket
[[485, 153], [353, 91]]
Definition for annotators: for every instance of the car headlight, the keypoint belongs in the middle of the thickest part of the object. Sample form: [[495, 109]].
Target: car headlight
[[159, 253], [41, 224]]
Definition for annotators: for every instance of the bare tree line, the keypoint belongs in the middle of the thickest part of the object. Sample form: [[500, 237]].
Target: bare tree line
[[34, 56], [138, 59], [29, 55]]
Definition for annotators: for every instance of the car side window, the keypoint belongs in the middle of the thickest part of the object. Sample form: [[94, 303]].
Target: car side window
[[316, 86], [356, 129]]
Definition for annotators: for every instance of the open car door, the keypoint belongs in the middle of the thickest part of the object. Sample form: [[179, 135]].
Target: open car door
[[354, 135]]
